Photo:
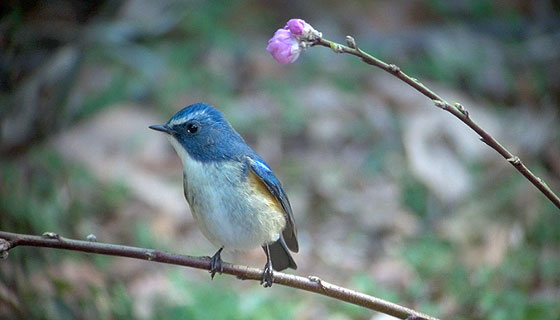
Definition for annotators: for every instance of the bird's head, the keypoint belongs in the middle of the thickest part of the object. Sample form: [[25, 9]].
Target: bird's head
[[204, 133]]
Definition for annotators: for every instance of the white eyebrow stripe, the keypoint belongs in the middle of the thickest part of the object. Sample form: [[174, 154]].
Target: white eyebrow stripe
[[185, 119], [177, 121]]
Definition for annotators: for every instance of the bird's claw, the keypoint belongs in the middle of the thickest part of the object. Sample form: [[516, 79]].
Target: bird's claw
[[268, 275], [216, 264]]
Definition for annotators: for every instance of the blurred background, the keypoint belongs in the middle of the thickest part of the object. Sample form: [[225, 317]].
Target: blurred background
[[392, 196]]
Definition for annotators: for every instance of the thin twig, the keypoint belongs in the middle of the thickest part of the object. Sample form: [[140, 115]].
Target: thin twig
[[456, 109], [10, 240]]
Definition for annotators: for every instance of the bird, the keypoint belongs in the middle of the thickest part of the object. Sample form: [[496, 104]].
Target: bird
[[235, 198]]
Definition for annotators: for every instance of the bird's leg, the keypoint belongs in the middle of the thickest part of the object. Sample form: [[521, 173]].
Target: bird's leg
[[216, 263], [268, 275]]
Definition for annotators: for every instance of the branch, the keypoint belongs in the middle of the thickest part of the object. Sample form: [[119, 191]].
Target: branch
[[10, 240], [456, 109]]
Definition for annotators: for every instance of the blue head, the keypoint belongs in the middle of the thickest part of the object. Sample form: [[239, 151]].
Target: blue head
[[205, 134]]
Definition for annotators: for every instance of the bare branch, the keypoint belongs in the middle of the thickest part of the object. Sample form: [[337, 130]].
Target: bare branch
[[456, 109], [10, 240]]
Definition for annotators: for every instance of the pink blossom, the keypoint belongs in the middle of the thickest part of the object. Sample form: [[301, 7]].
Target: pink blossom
[[283, 46], [298, 26]]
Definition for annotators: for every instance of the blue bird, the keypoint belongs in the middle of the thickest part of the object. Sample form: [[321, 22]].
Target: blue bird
[[235, 198]]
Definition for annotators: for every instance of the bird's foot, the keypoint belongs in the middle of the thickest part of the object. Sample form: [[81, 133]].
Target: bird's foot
[[268, 275], [216, 263]]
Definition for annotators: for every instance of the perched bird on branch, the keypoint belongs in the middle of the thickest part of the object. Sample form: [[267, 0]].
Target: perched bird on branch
[[235, 198]]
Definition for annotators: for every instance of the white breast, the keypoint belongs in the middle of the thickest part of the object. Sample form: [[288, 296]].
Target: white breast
[[227, 210]]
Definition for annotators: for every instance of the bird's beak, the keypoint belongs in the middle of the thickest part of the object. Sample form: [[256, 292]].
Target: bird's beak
[[159, 127]]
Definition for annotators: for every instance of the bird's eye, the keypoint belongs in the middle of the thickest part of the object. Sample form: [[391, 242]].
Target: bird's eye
[[192, 128]]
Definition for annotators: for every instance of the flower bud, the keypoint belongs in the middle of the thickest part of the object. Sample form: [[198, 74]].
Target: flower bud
[[283, 46], [298, 27]]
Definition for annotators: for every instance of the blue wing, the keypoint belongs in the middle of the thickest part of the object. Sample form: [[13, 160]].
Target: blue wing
[[261, 169]]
